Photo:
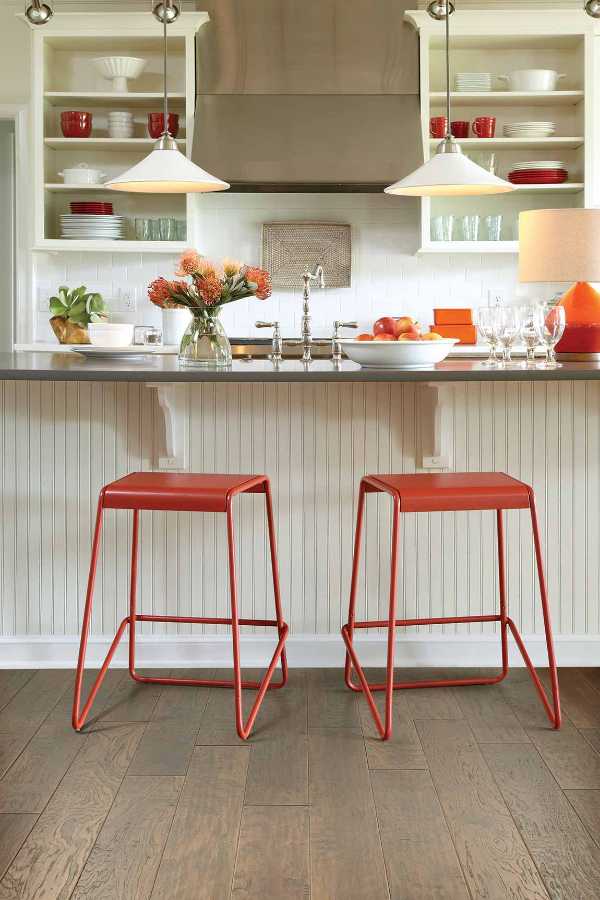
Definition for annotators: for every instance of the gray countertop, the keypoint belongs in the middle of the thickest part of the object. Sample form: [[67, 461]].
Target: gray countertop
[[23, 366]]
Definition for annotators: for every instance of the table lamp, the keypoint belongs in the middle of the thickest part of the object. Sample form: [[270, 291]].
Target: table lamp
[[564, 245]]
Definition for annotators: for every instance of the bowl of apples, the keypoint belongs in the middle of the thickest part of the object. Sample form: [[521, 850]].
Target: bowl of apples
[[398, 344]]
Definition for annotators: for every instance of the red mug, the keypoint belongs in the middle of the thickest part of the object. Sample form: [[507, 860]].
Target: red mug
[[438, 126], [460, 129], [75, 124], [156, 124], [484, 126]]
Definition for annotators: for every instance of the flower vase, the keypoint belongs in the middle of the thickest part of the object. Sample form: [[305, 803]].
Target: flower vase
[[204, 343]]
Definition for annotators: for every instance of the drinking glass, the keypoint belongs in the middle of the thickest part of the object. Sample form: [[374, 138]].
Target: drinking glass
[[487, 161], [142, 229], [470, 228], [181, 230], [488, 323], [510, 328], [551, 325], [166, 228], [442, 227], [529, 332], [493, 226], [154, 230]]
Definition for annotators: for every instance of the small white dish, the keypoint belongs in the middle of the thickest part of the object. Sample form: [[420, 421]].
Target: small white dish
[[397, 354], [110, 334], [120, 69]]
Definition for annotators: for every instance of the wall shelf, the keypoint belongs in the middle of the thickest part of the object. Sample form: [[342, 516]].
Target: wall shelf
[[102, 143], [504, 143], [101, 99], [53, 246], [508, 98], [469, 247]]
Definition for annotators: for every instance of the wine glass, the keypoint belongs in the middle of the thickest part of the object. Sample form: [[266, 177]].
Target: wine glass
[[510, 328], [488, 323], [551, 325], [530, 332]]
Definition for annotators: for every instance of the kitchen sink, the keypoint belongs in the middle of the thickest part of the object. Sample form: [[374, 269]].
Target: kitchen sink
[[259, 348]]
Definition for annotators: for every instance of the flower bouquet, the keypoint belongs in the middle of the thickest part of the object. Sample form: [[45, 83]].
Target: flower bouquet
[[208, 288]]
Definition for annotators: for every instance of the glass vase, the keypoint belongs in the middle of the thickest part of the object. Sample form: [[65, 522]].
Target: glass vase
[[204, 343]]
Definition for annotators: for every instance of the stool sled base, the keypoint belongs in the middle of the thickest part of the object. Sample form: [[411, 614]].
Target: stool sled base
[[393, 485], [218, 498]]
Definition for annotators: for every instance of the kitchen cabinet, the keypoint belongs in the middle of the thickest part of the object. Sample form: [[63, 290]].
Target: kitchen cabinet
[[65, 78], [494, 42]]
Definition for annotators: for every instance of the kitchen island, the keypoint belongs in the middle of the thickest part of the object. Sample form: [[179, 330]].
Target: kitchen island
[[70, 425]]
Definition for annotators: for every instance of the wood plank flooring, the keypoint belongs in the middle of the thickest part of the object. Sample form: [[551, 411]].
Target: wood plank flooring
[[474, 796]]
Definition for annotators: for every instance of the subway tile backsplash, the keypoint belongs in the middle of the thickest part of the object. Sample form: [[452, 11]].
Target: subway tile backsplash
[[388, 276]]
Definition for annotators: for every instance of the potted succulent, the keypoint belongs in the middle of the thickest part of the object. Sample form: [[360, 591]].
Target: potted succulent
[[72, 311]]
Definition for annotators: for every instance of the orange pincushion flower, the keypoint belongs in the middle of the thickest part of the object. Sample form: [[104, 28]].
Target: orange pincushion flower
[[159, 292], [209, 289], [189, 262], [231, 267], [262, 280]]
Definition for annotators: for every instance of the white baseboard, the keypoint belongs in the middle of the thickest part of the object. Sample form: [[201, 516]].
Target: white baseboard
[[304, 650]]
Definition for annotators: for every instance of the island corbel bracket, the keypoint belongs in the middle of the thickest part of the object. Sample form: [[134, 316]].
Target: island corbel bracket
[[173, 402], [436, 402]]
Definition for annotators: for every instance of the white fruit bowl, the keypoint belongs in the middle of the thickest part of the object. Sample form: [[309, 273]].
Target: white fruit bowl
[[397, 354], [120, 69]]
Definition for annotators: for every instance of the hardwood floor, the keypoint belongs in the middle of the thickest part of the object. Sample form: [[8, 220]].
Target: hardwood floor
[[474, 796]]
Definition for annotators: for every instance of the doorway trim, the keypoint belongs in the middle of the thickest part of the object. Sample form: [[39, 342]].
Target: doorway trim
[[23, 305]]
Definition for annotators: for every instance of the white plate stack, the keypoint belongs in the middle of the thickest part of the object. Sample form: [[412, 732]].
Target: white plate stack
[[529, 130], [92, 228], [120, 125], [473, 82]]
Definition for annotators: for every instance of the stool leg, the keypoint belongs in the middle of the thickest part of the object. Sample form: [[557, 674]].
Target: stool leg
[[133, 590], [354, 586], [502, 587], [555, 714], [235, 626], [281, 626], [389, 693], [78, 719]]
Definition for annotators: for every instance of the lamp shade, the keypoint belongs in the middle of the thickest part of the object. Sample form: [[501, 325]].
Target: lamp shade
[[559, 245], [166, 171], [449, 175]]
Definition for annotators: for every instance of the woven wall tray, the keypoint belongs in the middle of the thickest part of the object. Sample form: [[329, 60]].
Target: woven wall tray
[[289, 248]]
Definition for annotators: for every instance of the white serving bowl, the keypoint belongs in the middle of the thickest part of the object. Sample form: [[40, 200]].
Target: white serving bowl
[[82, 174], [397, 354], [119, 69], [532, 80], [110, 334]]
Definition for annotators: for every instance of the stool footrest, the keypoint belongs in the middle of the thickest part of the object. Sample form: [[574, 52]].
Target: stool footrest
[[449, 620], [204, 682], [202, 620]]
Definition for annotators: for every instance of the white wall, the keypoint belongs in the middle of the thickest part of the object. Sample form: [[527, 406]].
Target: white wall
[[387, 274]]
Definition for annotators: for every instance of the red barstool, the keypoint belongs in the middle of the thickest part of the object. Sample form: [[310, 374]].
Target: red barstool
[[191, 493], [439, 493]]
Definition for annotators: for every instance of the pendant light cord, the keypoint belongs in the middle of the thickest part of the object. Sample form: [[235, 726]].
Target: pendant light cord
[[447, 68], [166, 131]]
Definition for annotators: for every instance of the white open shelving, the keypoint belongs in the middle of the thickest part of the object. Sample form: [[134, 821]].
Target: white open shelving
[[65, 78], [492, 41]]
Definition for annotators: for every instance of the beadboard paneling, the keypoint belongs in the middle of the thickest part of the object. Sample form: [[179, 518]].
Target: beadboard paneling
[[60, 443]]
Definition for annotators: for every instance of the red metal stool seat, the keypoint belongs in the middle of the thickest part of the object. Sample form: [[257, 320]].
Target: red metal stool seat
[[191, 493], [435, 493]]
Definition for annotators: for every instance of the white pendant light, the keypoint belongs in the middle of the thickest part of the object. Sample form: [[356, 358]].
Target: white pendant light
[[448, 173], [166, 170]]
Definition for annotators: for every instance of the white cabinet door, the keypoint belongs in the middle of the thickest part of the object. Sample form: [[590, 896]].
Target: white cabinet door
[[593, 132]]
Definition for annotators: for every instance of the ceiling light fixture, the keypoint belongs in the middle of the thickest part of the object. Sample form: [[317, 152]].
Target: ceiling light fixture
[[448, 173], [592, 8], [38, 13], [166, 170]]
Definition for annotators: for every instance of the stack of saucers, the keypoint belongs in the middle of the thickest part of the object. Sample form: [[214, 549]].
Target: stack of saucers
[[473, 82], [539, 171], [84, 227], [529, 130], [120, 124]]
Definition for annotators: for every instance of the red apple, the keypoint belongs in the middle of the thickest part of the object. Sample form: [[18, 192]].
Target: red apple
[[411, 334], [403, 324], [365, 337], [384, 337], [385, 325]]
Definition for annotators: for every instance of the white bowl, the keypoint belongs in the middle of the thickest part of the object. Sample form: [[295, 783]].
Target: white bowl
[[82, 174], [119, 69], [397, 354], [532, 80], [110, 334]]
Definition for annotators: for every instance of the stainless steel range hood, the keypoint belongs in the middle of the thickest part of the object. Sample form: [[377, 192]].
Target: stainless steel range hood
[[308, 94]]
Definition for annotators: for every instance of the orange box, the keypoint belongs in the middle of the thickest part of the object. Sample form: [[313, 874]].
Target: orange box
[[453, 316], [466, 334]]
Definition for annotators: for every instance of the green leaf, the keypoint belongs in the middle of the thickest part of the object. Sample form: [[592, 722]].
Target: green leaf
[[57, 308]]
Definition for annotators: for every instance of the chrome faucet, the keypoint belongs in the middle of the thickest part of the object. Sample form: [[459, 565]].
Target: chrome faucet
[[317, 275]]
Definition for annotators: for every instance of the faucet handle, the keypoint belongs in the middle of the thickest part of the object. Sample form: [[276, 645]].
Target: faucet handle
[[339, 324], [336, 347], [277, 344]]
